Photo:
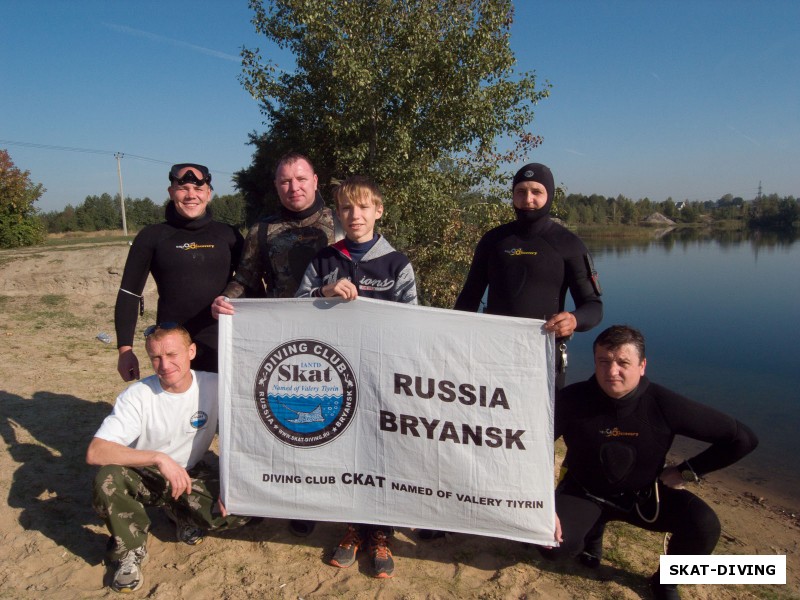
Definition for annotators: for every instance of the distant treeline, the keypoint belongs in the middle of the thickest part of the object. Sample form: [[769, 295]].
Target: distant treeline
[[98, 213], [102, 212], [766, 212]]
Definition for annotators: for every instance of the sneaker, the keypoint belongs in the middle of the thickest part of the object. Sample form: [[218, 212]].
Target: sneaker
[[592, 554], [663, 591], [128, 577], [593, 547], [301, 528], [186, 532], [589, 560], [381, 555], [345, 554]]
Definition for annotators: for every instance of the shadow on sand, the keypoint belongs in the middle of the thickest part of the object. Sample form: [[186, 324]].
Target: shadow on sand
[[47, 435]]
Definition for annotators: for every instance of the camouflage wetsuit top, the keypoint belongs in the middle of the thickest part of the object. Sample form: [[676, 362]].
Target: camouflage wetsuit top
[[278, 249]]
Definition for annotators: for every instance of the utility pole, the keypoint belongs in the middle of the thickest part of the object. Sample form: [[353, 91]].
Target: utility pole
[[118, 156]]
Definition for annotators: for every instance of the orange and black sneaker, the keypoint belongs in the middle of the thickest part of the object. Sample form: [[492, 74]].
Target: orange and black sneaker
[[345, 554], [381, 554]]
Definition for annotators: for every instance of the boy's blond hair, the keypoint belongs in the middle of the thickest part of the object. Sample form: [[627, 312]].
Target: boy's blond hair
[[358, 190]]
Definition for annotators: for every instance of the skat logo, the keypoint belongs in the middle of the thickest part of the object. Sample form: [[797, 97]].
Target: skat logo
[[305, 393], [617, 433], [193, 246], [528, 174], [520, 252]]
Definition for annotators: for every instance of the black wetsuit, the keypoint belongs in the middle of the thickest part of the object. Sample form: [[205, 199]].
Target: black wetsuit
[[529, 266], [616, 449], [192, 261]]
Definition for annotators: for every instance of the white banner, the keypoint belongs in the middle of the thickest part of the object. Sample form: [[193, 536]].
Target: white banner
[[386, 413]]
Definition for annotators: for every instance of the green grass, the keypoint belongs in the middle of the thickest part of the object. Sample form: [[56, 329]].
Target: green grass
[[54, 299], [99, 239]]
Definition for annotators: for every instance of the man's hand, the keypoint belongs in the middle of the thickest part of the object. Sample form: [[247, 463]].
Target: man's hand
[[221, 306], [557, 533], [563, 324], [176, 475], [127, 364], [344, 288], [671, 477]]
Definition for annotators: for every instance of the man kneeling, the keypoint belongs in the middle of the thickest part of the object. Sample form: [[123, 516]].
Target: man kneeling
[[618, 427], [150, 449]]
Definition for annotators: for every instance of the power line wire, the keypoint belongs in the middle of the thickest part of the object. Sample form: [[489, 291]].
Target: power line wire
[[92, 151]]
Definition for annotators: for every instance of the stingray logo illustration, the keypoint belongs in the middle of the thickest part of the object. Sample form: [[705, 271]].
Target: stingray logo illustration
[[305, 393]]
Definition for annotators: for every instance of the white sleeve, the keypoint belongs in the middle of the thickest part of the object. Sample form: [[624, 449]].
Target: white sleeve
[[124, 424]]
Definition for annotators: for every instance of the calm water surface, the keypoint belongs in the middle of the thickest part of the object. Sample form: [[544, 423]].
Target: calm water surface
[[721, 317]]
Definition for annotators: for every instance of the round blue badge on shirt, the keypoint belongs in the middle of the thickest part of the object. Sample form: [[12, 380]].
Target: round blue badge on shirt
[[198, 420]]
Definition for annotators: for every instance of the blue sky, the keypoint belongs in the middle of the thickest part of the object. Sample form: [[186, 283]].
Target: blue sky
[[688, 99]]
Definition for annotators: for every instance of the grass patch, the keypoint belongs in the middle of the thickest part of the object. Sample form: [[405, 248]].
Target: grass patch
[[97, 239], [7, 258], [50, 312], [54, 299], [625, 546]]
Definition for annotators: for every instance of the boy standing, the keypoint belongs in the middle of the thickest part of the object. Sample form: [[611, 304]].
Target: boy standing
[[362, 264]]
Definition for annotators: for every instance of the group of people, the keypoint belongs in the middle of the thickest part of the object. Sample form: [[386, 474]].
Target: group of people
[[617, 426]]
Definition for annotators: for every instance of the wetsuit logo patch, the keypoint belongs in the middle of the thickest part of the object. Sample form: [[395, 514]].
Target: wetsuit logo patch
[[615, 432], [305, 393], [193, 246], [520, 252], [198, 420]]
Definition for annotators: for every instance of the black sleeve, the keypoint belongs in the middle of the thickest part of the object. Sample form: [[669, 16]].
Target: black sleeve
[[134, 277], [236, 251], [585, 291], [469, 299], [730, 439]]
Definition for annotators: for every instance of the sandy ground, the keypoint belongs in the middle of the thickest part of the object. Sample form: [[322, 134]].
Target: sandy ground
[[57, 383]]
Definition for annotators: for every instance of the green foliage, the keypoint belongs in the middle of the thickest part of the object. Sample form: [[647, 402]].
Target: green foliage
[[19, 223], [140, 212], [229, 209], [102, 213], [773, 212], [419, 95], [60, 221], [98, 213]]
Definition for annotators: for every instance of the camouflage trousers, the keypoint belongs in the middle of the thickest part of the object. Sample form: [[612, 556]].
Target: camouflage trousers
[[121, 494]]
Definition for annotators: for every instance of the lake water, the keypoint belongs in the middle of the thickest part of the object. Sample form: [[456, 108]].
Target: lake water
[[721, 318]]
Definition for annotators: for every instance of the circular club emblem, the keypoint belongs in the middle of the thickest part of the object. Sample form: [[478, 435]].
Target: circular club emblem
[[198, 419], [305, 393]]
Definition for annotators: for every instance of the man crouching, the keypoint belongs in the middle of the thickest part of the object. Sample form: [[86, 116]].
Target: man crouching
[[150, 449]]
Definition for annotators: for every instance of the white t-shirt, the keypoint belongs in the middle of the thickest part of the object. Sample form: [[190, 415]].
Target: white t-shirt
[[182, 426]]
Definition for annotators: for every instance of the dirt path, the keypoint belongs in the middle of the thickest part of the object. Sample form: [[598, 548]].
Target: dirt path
[[57, 382]]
